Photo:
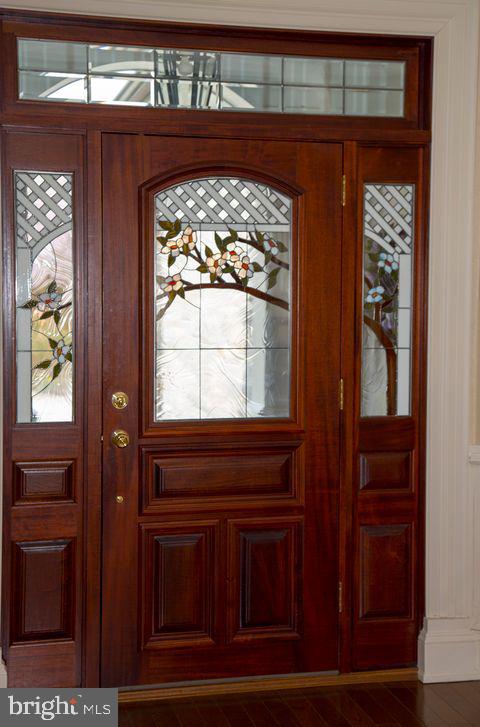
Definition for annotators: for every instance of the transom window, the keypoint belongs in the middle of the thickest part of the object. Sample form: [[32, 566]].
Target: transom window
[[202, 79]]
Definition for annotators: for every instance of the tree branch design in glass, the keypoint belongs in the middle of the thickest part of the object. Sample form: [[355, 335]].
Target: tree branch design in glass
[[222, 301], [387, 269], [44, 281]]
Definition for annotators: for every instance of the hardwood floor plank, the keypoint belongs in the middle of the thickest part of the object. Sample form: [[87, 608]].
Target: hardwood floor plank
[[415, 702], [259, 713], [281, 712], [187, 714], [236, 714], [328, 711], [403, 715], [377, 713], [466, 710], [352, 711], [305, 713], [211, 713]]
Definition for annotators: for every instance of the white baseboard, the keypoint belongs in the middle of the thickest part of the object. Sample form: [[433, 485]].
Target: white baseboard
[[448, 651]]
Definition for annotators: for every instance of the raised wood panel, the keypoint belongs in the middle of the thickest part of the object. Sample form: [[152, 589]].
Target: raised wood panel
[[386, 571], [36, 482], [386, 471], [43, 590], [179, 577], [265, 568], [247, 475]]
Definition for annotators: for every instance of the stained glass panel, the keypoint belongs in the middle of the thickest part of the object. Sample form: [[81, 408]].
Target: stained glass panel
[[44, 290], [387, 269], [222, 300]]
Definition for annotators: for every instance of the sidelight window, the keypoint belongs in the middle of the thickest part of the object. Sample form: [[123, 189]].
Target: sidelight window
[[44, 293], [222, 300], [201, 79], [387, 307]]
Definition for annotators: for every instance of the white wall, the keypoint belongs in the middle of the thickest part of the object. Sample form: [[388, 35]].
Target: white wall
[[450, 641]]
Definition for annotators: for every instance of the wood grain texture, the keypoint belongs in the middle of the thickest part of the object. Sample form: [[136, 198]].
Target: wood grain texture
[[43, 482]]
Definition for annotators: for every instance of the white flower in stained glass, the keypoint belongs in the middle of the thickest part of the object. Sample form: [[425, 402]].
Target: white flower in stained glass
[[232, 253], [215, 264], [172, 283], [375, 295], [173, 247], [189, 238], [244, 267], [49, 301], [61, 351]]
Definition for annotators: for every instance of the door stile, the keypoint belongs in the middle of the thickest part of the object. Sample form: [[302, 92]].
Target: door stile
[[94, 414], [349, 373]]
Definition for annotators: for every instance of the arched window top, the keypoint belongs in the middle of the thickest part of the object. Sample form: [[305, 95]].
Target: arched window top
[[222, 201]]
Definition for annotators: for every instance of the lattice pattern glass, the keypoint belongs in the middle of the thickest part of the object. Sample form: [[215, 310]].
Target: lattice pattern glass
[[202, 79], [44, 292], [388, 229], [222, 300]]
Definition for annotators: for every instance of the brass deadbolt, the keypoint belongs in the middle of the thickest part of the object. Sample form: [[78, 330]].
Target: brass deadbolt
[[120, 400], [119, 499]]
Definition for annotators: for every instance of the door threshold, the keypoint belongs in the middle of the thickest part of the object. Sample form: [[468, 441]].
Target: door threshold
[[243, 685]]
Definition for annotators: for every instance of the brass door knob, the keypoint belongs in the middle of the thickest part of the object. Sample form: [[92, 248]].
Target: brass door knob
[[120, 400], [120, 438]]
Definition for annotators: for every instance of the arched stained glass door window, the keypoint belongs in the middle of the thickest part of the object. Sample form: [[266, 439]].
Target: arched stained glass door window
[[222, 300]]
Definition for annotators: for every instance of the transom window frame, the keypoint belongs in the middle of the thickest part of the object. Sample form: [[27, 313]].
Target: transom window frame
[[415, 52]]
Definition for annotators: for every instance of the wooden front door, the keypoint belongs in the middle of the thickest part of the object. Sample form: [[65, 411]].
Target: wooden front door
[[222, 313]]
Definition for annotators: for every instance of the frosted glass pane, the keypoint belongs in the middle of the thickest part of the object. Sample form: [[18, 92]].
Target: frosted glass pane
[[251, 97], [44, 290], [222, 300], [313, 71], [44, 55], [52, 86], [387, 268], [309, 100], [268, 383], [177, 385], [223, 384], [374, 103], [116, 60], [375, 74], [120, 90], [250, 68]]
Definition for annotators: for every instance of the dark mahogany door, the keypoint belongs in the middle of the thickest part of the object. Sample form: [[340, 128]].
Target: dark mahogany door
[[222, 263]]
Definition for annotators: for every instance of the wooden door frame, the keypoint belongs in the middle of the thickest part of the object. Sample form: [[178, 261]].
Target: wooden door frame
[[15, 117]]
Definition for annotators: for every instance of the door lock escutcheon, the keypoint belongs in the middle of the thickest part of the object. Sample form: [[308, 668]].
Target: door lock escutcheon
[[120, 438]]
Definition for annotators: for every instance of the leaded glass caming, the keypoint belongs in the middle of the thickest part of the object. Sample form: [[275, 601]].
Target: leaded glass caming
[[388, 244], [205, 79], [44, 294], [222, 300]]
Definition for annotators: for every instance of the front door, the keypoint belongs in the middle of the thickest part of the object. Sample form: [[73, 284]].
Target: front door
[[222, 313]]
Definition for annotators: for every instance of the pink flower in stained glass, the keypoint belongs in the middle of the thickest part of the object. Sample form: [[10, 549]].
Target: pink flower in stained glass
[[244, 267], [215, 264], [232, 253], [49, 301], [171, 282]]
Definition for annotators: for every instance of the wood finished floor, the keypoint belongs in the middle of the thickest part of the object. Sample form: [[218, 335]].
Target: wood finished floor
[[404, 704]]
